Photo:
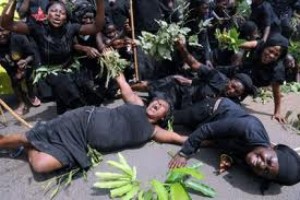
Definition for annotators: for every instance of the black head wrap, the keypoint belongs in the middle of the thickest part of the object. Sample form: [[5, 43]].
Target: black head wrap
[[289, 165], [278, 40], [82, 7], [247, 83]]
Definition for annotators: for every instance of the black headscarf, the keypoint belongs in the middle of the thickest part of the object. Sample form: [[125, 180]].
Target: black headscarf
[[289, 165], [277, 40], [247, 83]]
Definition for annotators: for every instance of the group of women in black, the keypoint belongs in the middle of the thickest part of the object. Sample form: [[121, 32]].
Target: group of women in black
[[204, 97]]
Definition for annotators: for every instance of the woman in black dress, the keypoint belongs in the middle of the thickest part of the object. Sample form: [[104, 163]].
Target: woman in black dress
[[62, 142], [54, 40]]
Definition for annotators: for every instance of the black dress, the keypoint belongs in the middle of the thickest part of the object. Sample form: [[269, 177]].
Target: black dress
[[67, 136]]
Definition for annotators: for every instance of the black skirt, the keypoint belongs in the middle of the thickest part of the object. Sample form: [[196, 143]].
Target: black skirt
[[64, 137]]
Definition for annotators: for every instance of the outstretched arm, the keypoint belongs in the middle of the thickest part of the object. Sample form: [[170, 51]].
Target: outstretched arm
[[127, 93], [7, 21], [91, 29], [163, 136], [277, 103]]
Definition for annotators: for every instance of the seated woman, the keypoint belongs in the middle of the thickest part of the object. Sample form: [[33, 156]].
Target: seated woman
[[62, 142], [225, 125], [55, 41], [17, 57]]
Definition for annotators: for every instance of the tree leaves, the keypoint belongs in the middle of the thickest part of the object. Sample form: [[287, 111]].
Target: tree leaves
[[160, 190], [229, 39], [178, 192], [161, 45]]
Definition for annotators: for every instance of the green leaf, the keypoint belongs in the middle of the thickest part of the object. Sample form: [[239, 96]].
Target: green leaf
[[123, 161], [174, 177], [111, 184], [189, 171], [120, 167], [141, 195], [118, 192], [131, 194], [178, 192], [200, 187], [148, 195], [160, 190], [110, 176]]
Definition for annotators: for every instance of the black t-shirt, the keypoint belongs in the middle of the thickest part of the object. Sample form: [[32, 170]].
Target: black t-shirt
[[263, 15], [234, 129], [55, 46]]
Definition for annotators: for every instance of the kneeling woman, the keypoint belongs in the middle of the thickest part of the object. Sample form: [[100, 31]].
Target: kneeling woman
[[62, 142]]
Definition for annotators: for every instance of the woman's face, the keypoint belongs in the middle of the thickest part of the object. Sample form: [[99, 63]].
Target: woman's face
[[264, 162], [88, 18], [4, 36], [57, 15], [234, 88], [157, 109], [270, 54]]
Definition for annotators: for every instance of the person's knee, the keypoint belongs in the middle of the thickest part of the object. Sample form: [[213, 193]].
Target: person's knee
[[41, 163], [38, 165]]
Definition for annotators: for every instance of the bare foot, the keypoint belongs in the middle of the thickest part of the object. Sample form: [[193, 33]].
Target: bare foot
[[35, 101], [22, 109]]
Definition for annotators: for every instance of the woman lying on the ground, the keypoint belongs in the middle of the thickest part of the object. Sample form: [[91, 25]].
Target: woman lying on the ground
[[224, 124], [62, 142], [54, 40], [208, 83]]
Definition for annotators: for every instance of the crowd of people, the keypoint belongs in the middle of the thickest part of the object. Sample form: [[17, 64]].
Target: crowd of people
[[201, 87]]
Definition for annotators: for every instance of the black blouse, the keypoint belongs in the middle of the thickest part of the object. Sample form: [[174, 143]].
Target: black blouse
[[55, 46]]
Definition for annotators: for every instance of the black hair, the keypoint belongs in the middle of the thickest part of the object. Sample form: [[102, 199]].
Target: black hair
[[80, 9], [247, 29], [51, 3]]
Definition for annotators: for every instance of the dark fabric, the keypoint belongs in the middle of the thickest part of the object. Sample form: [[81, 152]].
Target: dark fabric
[[121, 127], [145, 14], [209, 82], [118, 12], [289, 165], [230, 126], [67, 136], [64, 137], [263, 15], [55, 46]]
